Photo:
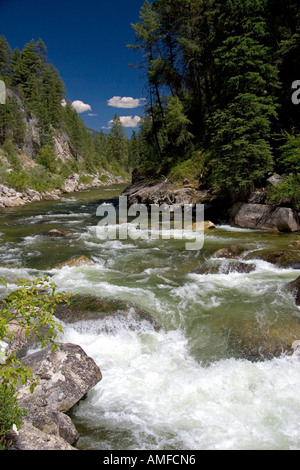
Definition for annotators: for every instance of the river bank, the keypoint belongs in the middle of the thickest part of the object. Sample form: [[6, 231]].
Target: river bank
[[250, 210], [9, 197]]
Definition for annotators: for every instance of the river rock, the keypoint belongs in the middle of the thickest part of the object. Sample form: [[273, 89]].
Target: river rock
[[31, 438], [11, 201], [238, 267], [19, 342], [294, 288], [233, 251], [65, 376], [265, 217], [282, 259], [71, 184], [86, 308], [50, 196], [206, 225], [58, 233], [31, 192], [76, 262], [258, 343], [52, 422]]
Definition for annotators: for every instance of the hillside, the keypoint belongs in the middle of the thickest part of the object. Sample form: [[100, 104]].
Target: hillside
[[43, 141]]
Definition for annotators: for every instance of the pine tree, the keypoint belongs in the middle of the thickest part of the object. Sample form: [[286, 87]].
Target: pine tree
[[5, 58], [245, 105], [117, 142]]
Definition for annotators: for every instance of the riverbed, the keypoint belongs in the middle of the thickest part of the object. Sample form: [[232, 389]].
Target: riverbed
[[209, 364]]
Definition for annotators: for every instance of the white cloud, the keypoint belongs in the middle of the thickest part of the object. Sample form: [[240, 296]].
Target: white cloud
[[125, 102], [63, 103], [92, 114], [128, 121], [81, 107]]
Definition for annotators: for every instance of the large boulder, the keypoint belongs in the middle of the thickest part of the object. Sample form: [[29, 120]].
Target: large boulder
[[265, 217], [31, 438], [64, 377]]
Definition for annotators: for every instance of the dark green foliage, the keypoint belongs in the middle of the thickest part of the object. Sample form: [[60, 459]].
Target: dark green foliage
[[5, 59], [288, 191], [290, 156], [10, 413], [11, 155], [117, 151], [219, 76], [12, 125], [31, 307], [46, 158]]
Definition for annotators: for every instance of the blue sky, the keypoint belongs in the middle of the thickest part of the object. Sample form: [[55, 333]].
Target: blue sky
[[86, 41]]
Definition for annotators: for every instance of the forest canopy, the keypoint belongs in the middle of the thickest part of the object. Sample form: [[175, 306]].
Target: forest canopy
[[219, 78]]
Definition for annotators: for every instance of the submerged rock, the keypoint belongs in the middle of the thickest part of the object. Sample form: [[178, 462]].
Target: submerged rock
[[238, 267], [233, 251], [282, 259], [76, 261], [86, 308], [58, 233], [258, 342]]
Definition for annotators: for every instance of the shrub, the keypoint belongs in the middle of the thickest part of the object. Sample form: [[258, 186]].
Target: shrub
[[46, 157], [10, 413], [287, 192], [31, 307], [37, 178], [190, 168], [11, 154]]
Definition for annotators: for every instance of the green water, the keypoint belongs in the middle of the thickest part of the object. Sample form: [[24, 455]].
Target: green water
[[217, 373]]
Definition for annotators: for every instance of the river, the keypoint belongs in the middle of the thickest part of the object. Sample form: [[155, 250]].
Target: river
[[207, 364]]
